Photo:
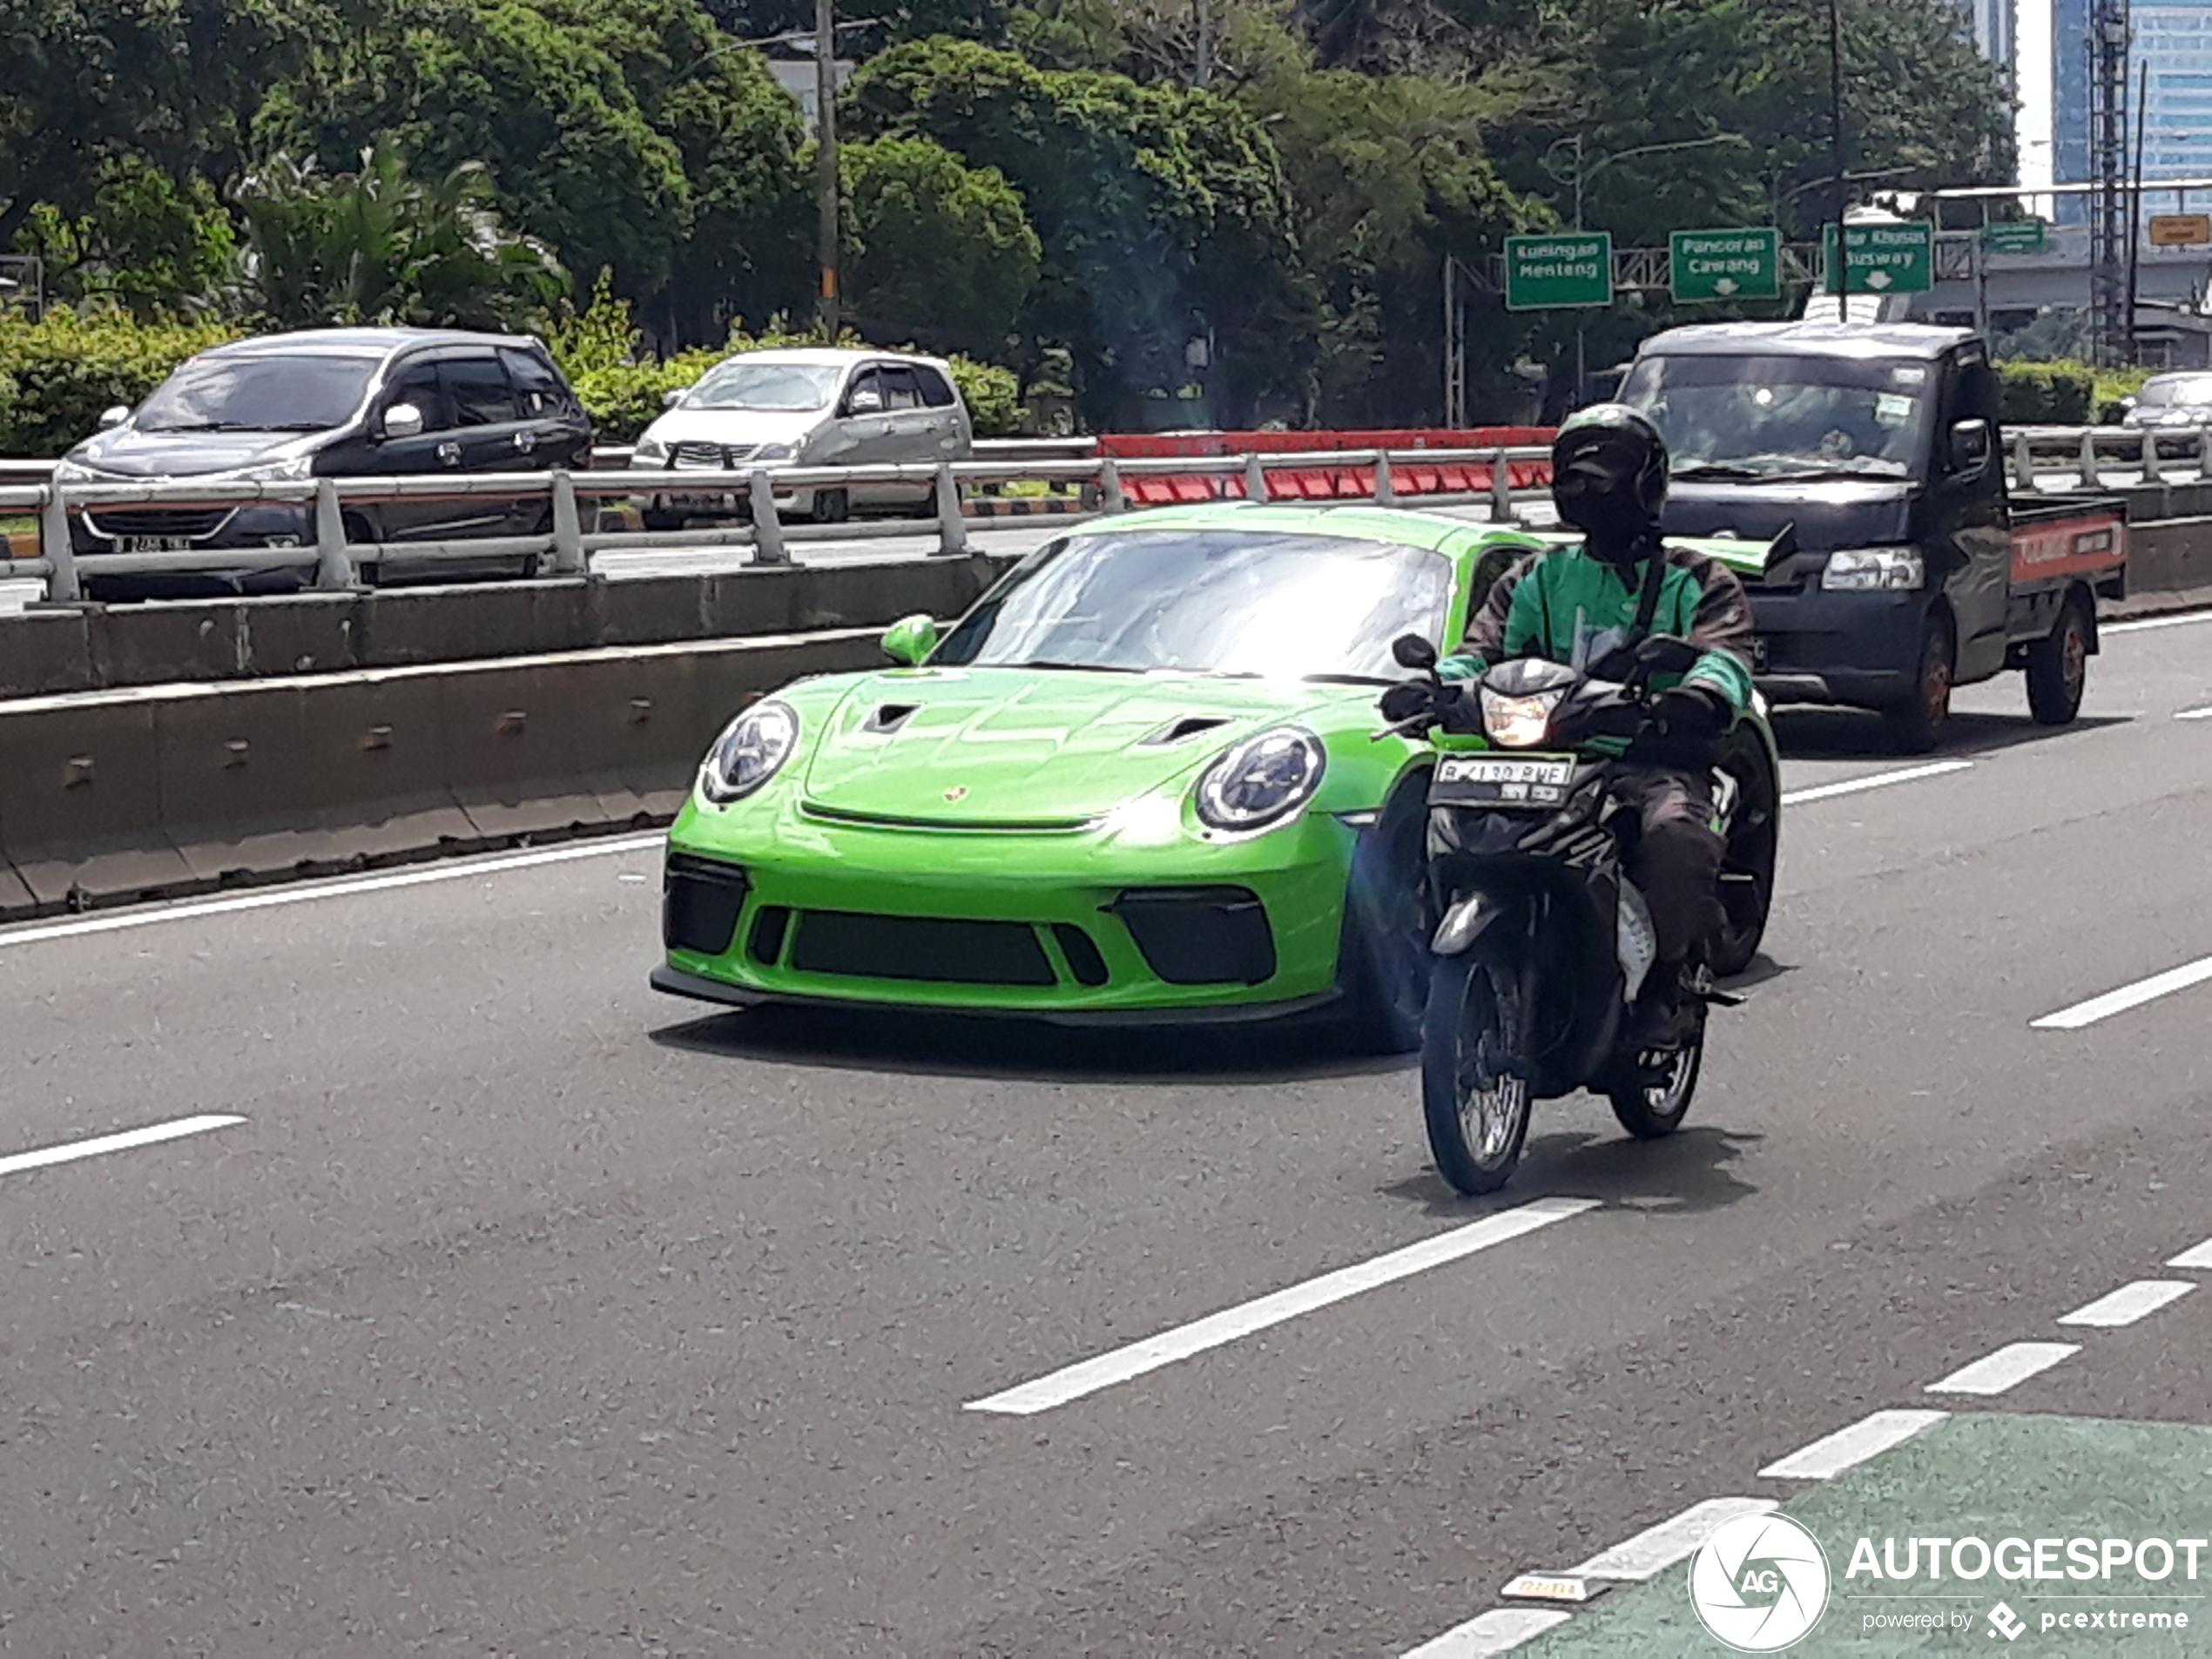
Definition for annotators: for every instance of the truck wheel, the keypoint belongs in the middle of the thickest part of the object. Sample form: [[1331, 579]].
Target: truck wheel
[[2058, 668], [1916, 724]]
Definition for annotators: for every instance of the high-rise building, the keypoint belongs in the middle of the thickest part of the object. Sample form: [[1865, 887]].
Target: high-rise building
[[2173, 42], [1995, 25]]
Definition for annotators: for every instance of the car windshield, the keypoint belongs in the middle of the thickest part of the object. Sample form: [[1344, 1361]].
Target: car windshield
[[312, 392], [1235, 601], [2195, 392], [740, 385], [1785, 417]]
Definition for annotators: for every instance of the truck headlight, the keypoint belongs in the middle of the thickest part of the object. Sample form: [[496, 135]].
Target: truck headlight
[[750, 752], [1262, 780], [1870, 569]]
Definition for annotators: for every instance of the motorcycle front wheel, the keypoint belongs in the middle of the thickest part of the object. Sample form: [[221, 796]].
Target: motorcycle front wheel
[[1474, 1068]]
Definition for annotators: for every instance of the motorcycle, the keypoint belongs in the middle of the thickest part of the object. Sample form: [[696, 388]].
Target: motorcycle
[[1543, 941]]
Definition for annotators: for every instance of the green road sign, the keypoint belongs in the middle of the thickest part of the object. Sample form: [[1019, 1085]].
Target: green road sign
[[1725, 265], [2019, 236], [1572, 268], [1886, 259]]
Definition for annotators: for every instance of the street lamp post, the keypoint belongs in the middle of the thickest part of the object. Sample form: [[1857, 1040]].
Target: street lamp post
[[1836, 148]]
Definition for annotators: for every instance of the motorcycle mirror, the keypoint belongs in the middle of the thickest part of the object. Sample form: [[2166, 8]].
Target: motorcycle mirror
[[1410, 650]]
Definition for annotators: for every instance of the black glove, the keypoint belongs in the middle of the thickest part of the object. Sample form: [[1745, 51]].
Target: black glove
[[1695, 713], [1411, 697]]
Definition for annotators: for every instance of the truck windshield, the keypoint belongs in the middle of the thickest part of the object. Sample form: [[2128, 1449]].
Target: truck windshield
[[1785, 417]]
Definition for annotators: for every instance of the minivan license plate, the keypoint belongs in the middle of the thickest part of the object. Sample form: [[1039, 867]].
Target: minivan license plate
[[153, 543], [1501, 780]]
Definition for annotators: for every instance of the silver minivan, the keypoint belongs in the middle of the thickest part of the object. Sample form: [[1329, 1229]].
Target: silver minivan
[[808, 408]]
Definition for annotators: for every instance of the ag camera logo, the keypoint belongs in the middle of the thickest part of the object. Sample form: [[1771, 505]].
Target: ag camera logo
[[1759, 1583]]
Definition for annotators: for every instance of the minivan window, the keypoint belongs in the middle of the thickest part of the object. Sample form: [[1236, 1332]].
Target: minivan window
[[899, 389], [737, 384], [312, 392], [418, 384], [480, 391], [538, 387], [934, 392]]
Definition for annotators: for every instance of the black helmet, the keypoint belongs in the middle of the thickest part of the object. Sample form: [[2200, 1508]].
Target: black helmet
[[1610, 474]]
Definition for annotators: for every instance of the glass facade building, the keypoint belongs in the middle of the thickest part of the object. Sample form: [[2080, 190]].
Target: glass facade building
[[2174, 39]]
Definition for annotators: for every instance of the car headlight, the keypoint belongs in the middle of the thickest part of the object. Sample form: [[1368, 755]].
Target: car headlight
[[774, 452], [74, 472], [1519, 722], [1264, 780], [750, 752], [1869, 570], [649, 448], [276, 471]]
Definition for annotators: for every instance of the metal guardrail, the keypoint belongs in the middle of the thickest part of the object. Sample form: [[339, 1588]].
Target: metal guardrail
[[566, 550]]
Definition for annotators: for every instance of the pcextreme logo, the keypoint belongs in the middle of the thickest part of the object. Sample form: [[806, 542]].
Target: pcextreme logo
[[1760, 1583]]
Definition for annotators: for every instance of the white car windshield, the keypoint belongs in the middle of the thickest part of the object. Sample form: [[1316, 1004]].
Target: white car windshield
[[2193, 393], [1242, 602], [741, 385]]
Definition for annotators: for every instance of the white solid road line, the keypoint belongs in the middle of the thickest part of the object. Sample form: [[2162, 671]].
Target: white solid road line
[[2142, 622], [1089, 1377], [2196, 1255], [1852, 785], [1848, 1447], [175, 1129], [1499, 1630], [1655, 1550], [2007, 1368], [453, 870], [2195, 714], [2129, 1303], [2127, 997]]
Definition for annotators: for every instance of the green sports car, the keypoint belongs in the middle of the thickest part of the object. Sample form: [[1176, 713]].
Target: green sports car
[[1137, 782]]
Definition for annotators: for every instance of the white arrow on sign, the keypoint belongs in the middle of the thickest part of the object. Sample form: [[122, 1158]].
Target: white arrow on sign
[[1725, 285], [1877, 279]]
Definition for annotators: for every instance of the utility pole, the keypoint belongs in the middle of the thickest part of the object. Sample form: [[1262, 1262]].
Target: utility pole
[[2109, 38], [825, 183], [2135, 204], [1836, 148], [1455, 349]]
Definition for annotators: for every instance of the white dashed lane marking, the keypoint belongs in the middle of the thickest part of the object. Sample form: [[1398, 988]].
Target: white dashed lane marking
[[1877, 780], [1499, 1630], [1848, 1447], [2007, 1368], [2127, 997], [2129, 1303], [177, 1129]]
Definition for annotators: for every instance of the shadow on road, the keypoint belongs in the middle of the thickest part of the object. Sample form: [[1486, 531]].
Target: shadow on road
[[1848, 734], [1685, 1173], [951, 1045]]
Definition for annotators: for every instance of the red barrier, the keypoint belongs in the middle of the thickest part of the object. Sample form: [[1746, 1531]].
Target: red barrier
[[1322, 484]]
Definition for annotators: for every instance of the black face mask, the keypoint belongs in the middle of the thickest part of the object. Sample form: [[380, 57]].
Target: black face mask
[[1604, 508]]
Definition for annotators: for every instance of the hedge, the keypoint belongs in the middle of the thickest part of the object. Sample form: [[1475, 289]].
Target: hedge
[[2045, 393], [57, 375]]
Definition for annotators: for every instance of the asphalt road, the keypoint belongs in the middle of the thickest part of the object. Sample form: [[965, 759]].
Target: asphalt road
[[509, 1308]]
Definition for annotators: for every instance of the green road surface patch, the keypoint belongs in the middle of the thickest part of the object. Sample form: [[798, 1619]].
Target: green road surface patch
[[1991, 1477]]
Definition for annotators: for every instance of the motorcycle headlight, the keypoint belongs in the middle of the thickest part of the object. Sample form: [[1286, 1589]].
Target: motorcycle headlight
[[751, 751], [1519, 722], [1262, 780], [1872, 569]]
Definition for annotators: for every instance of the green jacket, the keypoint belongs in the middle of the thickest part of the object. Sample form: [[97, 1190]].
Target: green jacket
[[1567, 606]]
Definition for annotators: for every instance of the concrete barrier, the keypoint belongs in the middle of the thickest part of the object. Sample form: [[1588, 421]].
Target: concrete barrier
[[119, 795], [43, 653]]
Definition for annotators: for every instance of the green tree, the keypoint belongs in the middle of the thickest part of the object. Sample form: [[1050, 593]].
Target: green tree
[[377, 246], [148, 242], [936, 251]]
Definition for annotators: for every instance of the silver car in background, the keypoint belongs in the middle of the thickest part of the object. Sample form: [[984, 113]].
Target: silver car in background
[[813, 408]]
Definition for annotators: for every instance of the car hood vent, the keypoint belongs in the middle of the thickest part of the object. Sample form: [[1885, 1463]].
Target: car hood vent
[[1190, 726], [889, 717]]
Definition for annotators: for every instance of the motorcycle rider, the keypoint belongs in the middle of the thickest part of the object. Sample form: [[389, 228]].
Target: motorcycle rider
[[1579, 605]]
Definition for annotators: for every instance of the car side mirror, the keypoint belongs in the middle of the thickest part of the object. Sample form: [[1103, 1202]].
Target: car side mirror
[[670, 398], [1969, 445], [2127, 405], [864, 403], [1410, 650], [403, 421], [109, 419], [910, 639]]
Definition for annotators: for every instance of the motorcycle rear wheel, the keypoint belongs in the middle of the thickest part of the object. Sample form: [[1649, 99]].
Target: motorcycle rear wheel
[[1474, 1068]]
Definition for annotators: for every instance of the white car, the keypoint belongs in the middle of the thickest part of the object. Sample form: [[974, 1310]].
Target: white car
[[814, 408]]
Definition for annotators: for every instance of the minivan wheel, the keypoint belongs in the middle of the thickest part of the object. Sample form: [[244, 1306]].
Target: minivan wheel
[[830, 507], [656, 518]]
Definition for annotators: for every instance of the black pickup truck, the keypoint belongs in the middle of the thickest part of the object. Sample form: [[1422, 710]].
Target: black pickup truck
[[1872, 453]]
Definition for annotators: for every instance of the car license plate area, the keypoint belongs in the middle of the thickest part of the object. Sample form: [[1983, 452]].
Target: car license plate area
[[1501, 780], [154, 544]]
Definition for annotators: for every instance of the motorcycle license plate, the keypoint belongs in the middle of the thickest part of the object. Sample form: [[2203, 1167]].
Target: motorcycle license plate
[[1501, 780]]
